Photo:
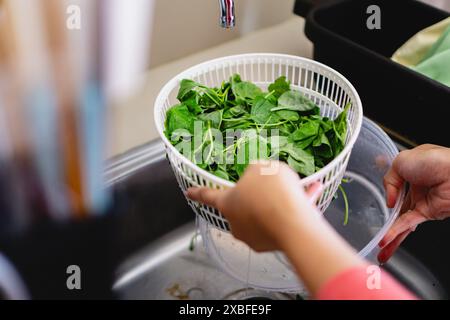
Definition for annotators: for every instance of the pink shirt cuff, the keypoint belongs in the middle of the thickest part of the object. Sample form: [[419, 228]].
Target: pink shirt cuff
[[367, 282]]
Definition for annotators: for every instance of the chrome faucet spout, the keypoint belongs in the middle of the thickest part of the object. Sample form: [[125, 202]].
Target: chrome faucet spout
[[227, 18]]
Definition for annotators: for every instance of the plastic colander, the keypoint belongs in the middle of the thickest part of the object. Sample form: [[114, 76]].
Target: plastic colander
[[325, 86]]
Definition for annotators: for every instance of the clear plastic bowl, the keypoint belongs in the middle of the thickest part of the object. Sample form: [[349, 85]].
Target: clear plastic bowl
[[369, 219]]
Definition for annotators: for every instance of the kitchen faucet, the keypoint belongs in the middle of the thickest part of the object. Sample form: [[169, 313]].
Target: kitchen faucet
[[227, 13]]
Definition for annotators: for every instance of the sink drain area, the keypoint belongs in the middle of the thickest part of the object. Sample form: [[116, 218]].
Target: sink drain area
[[169, 270], [179, 293], [254, 295]]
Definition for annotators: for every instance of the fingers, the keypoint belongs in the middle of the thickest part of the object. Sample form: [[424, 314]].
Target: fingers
[[426, 147], [407, 221], [207, 196], [314, 191], [387, 252], [407, 204], [393, 182]]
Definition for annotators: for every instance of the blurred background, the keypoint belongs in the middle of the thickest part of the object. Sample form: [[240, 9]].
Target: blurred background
[[78, 81]]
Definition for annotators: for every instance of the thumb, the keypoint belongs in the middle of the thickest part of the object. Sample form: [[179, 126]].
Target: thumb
[[314, 191], [207, 196], [393, 183]]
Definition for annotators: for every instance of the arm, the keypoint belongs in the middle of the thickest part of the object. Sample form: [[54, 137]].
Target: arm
[[271, 212]]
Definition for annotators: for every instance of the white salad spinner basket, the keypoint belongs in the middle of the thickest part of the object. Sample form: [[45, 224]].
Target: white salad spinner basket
[[325, 86]]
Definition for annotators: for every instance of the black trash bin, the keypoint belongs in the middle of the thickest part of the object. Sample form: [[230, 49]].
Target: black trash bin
[[403, 101]]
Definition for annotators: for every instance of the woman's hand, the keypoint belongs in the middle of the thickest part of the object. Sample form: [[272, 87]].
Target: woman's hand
[[427, 170], [261, 206], [272, 212]]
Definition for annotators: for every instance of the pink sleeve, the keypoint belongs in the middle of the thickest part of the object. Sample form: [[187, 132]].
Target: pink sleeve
[[364, 283]]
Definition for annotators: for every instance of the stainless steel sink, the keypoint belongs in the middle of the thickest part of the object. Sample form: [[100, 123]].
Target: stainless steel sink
[[177, 267], [156, 228]]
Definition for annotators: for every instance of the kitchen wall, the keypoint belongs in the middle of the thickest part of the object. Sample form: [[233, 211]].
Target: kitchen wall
[[183, 27]]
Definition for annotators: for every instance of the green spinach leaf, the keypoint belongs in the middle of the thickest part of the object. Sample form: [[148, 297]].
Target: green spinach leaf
[[280, 86], [214, 117], [179, 117], [260, 112], [246, 91], [295, 101]]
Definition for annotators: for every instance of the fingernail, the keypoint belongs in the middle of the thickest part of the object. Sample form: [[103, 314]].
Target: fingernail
[[390, 200], [381, 258], [188, 192], [382, 243], [316, 195]]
